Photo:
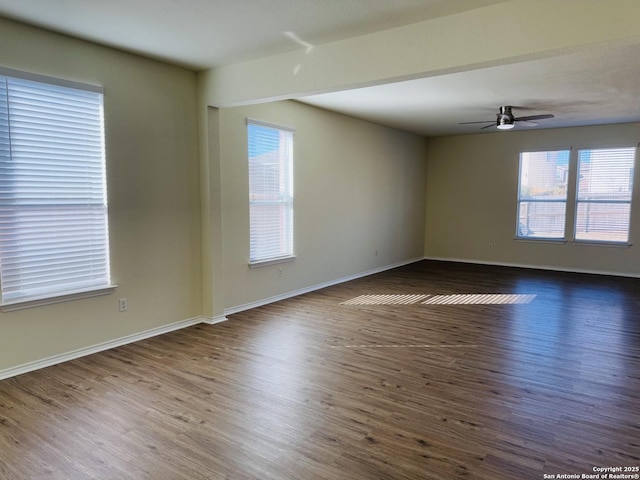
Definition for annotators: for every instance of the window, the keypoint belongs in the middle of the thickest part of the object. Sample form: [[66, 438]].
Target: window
[[542, 194], [53, 203], [270, 192], [604, 188]]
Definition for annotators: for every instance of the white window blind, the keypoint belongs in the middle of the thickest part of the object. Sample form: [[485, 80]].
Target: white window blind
[[53, 202], [542, 194], [270, 192], [605, 185]]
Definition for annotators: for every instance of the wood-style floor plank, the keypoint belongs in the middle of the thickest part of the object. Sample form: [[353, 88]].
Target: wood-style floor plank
[[311, 388]]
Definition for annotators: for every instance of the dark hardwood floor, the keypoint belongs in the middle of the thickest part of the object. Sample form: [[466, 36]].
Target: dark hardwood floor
[[311, 388]]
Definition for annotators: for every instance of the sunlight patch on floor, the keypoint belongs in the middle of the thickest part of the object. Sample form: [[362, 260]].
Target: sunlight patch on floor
[[385, 300], [456, 299], [480, 299]]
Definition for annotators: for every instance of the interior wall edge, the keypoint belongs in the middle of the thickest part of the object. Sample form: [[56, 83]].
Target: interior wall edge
[[214, 320]]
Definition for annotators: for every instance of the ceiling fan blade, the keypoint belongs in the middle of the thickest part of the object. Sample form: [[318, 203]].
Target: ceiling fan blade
[[534, 117], [493, 124], [485, 121]]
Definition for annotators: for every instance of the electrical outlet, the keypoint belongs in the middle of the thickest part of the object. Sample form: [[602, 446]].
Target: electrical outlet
[[279, 272], [491, 246], [123, 304]]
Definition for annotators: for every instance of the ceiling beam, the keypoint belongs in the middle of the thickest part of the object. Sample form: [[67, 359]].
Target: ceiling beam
[[500, 34]]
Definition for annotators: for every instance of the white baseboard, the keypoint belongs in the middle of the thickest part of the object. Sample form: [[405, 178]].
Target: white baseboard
[[118, 342], [302, 291], [553, 268]]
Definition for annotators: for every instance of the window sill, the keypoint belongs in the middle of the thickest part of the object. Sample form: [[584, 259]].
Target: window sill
[[58, 298], [271, 261], [588, 243], [540, 240]]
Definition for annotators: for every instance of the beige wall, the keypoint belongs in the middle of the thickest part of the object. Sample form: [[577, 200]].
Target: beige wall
[[154, 195], [471, 200], [359, 188]]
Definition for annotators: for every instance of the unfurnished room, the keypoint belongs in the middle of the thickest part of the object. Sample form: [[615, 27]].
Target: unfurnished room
[[319, 239]]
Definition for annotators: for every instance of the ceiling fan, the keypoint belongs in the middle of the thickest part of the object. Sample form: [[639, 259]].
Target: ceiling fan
[[505, 119]]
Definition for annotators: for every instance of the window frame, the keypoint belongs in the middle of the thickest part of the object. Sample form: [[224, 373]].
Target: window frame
[[578, 201], [521, 200], [286, 187], [573, 190], [75, 290]]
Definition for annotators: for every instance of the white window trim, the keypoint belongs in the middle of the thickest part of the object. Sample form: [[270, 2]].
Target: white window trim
[[546, 240], [271, 261], [570, 220], [9, 72], [70, 295], [57, 298], [253, 121], [540, 240], [604, 243], [286, 258]]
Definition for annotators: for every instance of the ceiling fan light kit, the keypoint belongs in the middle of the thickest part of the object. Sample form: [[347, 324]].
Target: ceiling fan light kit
[[505, 120]]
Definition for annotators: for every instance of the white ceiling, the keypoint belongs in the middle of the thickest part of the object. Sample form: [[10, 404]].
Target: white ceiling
[[586, 88], [201, 34]]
